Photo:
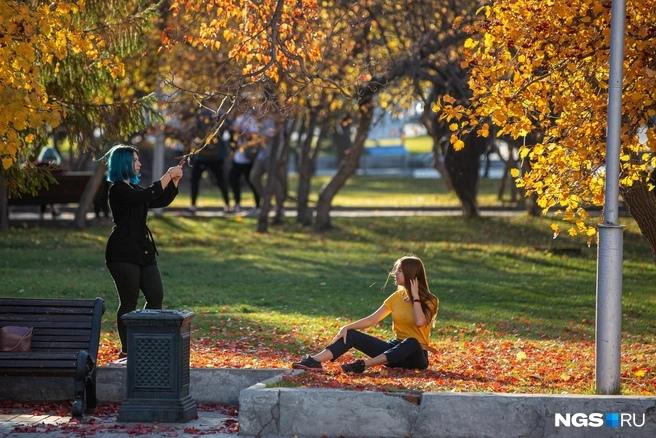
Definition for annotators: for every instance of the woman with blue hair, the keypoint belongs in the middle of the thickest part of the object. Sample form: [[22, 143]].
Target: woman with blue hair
[[130, 253]]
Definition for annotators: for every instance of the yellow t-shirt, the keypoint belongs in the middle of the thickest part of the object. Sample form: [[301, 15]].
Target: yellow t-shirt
[[403, 319]]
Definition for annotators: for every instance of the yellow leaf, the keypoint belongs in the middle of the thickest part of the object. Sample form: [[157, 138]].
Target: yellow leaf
[[6, 163], [556, 229], [470, 43], [453, 126], [521, 355], [640, 373], [564, 377], [523, 152], [489, 40], [29, 138], [514, 172]]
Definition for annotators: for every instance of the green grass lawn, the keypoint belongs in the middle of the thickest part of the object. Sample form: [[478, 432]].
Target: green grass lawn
[[362, 191], [516, 314], [498, 272], [422, 144]]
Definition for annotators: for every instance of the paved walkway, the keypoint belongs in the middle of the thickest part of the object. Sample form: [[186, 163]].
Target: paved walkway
[[67, 214], [20, 423]]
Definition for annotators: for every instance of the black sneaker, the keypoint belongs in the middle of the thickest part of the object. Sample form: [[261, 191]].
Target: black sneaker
[[354, 367], [307, 363]]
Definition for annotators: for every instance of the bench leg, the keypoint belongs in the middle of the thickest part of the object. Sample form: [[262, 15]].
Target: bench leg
[[92, 401], [80, 384], [79, 404]]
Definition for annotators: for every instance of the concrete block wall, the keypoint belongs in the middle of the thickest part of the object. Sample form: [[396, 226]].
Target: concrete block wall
[[311, 412]]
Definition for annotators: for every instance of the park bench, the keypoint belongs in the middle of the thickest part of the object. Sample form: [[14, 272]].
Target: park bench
[[68, 189], [64, 342]]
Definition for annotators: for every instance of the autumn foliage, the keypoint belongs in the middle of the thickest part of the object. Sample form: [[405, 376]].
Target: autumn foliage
[[35, 40], [266, 38], [542, 68]]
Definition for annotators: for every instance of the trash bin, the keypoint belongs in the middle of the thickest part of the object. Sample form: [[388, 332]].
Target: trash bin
[[158, 367]]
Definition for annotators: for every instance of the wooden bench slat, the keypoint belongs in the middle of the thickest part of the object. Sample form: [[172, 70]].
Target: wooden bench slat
[[44, 364], [59, 324], [36, 337], [64, 343], [33, 302], [55, 372], [59, 332], [4, 355], [41, 317], [46, 310]]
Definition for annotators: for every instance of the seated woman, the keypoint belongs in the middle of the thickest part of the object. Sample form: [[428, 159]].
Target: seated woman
[[413, 308]]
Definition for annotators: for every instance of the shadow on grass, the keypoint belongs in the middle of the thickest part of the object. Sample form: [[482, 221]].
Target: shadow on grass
[[484, 271]]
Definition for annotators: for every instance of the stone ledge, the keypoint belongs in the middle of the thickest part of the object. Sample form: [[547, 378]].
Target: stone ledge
[[210, 385], [316, 412]]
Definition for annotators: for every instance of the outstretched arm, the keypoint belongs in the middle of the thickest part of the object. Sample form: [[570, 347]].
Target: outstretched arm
[[363, 323]]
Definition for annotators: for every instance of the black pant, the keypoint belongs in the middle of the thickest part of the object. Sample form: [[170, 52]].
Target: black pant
[[216, 167], [236, 171], [129, 278], [407, 353]]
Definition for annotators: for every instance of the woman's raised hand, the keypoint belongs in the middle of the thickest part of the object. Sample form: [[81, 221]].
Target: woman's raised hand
[[414, 288], [341, 334], [175, 172]]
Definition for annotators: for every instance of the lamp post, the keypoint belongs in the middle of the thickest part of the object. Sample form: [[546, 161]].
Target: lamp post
[[609, 251]]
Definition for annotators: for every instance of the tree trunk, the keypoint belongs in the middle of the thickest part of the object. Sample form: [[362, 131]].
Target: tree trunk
[[439, 162], [281, 175], [342, 138], [269, 186], [305, 171], [346, 168], [463, 168], [87, 196], [4, 202], [432, 125], [642, 206]]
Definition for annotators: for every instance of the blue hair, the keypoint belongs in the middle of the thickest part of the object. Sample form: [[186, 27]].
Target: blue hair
[[119, 164]]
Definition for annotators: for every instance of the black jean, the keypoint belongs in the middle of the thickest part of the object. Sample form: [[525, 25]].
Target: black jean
[[236, 171], [407, 353], [216, 167], [129, 278]]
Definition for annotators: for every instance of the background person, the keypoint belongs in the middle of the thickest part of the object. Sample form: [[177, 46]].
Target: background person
[[246, 139], [212, 157], [131, 250]]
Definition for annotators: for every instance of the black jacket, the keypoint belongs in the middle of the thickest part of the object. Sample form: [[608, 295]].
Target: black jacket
[[131, 241]]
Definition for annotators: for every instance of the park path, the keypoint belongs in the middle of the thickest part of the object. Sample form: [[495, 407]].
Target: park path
[[31, 215], [22, 424]]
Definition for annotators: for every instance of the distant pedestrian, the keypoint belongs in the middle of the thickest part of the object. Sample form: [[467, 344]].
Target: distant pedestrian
[[266, 130], [246, 143], [131, 250], [413, 308], [211, 157]]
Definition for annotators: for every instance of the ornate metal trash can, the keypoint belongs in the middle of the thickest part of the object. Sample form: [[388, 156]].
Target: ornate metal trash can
[[158, 367]]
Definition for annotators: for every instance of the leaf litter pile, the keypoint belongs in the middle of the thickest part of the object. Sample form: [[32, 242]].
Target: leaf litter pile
[[483, 363]]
